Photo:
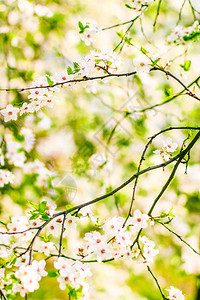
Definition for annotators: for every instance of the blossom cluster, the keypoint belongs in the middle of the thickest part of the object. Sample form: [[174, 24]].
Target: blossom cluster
[[43, 88], [180, 33], [29, 276], [117, 240], [168, 148], [15, 154], [73, 273], [24, 274]]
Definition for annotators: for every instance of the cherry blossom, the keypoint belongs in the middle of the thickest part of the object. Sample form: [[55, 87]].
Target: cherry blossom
[[9, 113], [39, 267], [139, 220], [149, 252], [175, 294], [46, 248], [112, 226], [26, 108], [166, 151], [104, 251], [177, 36], [6, 177], [142, 64], [89, 34], [95, 239]]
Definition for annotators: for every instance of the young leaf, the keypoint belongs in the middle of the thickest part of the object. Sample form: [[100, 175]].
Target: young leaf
[[144, 51], [186, 65], [42, 206], [128, 6], [45, 217], [53, 273], [120, 34], [69, 70], [50, 82], [34, 216], [34, 205]]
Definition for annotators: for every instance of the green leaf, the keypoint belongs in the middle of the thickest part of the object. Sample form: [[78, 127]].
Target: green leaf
[[170, 213], [120, 34], [80, 25], [76, 67], [50, 82], [144, 51], [53, 273], [186, 65], [163, 215], [128, 40], [155, 61], [128, 6], [45, 217], [34, 216], [69, 70], [168, 91], [82, 28], [73, 293], [42, 206], [34, 205]]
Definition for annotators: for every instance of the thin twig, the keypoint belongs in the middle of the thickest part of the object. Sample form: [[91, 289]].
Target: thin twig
[[61, 235], [178, 236]]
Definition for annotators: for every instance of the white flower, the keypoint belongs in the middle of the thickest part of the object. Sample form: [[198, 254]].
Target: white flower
[[6, 177], [104, 252], [87, 212], [95, 239], [124, 238], [70, 222], [139, 220], [51, 207], [149, 252], [169, 145], [89, 34], [39, 266], [166, 151], [29, 277], [86, 65], [9, 113], [83, 269], [26, 108], [175, 294], [63, 281], [54, 228], [88, 37], [18, 224], [46, 248], [113, 226], [146, 241], [130, 254], [142, 64]]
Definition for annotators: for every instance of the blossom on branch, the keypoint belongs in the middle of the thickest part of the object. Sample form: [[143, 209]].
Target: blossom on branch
[[9, 113], [175, 294]]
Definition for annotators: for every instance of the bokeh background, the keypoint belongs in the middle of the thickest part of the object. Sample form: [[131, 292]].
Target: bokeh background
[[72, 138]]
